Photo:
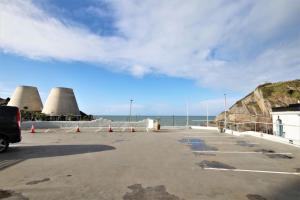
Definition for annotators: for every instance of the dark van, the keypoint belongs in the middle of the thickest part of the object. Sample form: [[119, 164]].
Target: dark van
[[10, 126]]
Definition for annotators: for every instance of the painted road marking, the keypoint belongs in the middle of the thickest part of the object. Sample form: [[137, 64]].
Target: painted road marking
[[252, 171], [242, 152], [195, 142], [7, 163], [207, 136]]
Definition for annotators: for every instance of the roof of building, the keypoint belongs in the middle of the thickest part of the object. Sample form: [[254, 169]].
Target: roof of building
[[291, 107]]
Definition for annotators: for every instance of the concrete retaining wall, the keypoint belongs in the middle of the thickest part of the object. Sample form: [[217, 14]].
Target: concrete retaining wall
[[205, 128], [99, 123]]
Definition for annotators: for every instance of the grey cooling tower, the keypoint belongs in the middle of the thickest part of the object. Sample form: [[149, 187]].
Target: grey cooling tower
[[61, 101], [26, 98]]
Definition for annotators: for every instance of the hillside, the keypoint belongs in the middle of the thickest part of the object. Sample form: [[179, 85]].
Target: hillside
[[258, 104], [4, 102]]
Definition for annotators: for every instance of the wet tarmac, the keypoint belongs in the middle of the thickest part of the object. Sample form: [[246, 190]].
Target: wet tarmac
[[244, 143], [149, 193], [255, 197], [197, 144], [214, 164], [9, 194], [37, 181]]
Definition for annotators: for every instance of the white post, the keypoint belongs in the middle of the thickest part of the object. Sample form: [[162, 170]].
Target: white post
[[225, 118], [187, 114], [206, 114], [130, 110]]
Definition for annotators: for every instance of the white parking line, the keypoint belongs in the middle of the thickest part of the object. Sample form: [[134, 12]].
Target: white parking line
[[241, 152], [192, 142], [252, 171], [207, 136]]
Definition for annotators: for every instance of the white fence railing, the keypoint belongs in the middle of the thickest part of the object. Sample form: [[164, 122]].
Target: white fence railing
[[288, 131]]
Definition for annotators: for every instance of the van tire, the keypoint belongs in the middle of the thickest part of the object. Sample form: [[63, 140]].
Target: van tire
[[3, 144]]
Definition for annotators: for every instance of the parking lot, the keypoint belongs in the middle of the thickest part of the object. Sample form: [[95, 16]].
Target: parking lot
[[171, 164]]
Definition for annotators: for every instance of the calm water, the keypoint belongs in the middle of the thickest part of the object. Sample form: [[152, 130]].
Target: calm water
[[164, 120]]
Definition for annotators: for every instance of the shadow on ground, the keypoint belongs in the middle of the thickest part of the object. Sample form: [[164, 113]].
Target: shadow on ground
[[17, 154]]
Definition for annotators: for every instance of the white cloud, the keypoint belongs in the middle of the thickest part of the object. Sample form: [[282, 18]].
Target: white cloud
[[220, 44]]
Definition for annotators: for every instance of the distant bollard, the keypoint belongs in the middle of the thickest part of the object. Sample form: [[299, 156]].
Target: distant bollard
[[132, 129], [110, 130]]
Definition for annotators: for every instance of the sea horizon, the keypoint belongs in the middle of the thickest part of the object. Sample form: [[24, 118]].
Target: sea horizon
[[165, 120]]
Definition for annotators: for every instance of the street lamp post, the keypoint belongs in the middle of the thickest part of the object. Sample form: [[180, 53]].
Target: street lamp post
[[206, 114], [187, 114], [225, 118], [130, 110]]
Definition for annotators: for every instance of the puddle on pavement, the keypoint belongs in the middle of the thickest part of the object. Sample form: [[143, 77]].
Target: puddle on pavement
[[255, 197], [155, 193], [12, 195], [197, 144], [281, 156], [244, 143], [204, 154], [265, 150], [119, 140], [38, 181], [214, 164]]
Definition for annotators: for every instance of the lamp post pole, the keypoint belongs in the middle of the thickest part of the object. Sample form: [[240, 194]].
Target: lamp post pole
[[187, 114], [130, 110], [206, 114], [225, 118]]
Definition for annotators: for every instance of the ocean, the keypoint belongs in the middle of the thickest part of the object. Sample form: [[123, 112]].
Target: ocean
[[164, 120]]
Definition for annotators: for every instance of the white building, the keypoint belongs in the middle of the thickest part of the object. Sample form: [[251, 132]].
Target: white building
[[286, 121]]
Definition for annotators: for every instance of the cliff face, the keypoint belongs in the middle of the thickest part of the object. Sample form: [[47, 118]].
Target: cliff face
[[258, 104]]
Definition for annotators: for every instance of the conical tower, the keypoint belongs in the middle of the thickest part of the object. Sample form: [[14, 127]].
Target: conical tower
[[26, 98], [61, 101]]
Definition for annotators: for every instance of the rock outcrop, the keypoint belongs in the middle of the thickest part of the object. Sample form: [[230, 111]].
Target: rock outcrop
[[257, 105]]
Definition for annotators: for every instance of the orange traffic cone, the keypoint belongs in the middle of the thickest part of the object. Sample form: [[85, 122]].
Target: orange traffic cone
[[110, 129], [32, 130], [77, 129], [132, 129]]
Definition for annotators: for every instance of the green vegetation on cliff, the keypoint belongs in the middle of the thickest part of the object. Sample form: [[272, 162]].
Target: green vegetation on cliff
[[259, 103]]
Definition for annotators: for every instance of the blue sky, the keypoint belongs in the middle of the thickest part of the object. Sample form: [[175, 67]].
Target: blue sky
[[160, 53]]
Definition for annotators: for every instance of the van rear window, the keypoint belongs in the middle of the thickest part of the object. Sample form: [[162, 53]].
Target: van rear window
[[8, 114]]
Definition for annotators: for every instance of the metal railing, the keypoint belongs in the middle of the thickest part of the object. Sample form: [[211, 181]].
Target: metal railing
[[288, 131]]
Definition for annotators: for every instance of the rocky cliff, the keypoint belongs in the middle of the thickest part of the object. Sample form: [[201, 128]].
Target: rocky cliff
[[258, 104]]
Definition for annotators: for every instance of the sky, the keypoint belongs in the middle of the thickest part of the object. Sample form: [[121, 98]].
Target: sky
[[162, 54]]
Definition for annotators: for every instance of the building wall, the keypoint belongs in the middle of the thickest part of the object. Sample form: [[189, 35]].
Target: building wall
[[291, 124], [61, 101], [26, 98]]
